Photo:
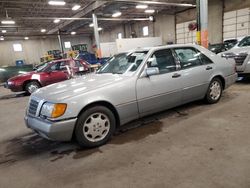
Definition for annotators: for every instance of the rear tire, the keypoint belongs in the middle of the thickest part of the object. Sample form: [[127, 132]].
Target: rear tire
[[95, 127], [31, 87], [214, 92]]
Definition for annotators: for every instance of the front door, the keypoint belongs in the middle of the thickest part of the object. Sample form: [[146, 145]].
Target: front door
[[163, 91], [56, 73]]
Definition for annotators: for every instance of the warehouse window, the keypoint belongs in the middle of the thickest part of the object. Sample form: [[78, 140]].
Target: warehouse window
[[17, 47], [67, 45], [119, 36], [145, 31]]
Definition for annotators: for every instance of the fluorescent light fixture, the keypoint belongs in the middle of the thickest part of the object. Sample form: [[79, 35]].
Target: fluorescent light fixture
[[116, 14], [26, 38], [150, 11], [100, 29], [57, 21], [1, 38], [142, 6], [91, 25], [43, 30], [57, 3], [73, 33], [4, 31], [9, 22], [76, 7]]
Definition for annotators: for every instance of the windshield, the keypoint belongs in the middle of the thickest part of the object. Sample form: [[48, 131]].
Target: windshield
[[245, 42], [122, 63], [42, 67]]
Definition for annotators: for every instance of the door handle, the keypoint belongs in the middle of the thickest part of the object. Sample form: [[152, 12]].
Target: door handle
[[209, 68], [176, 75]]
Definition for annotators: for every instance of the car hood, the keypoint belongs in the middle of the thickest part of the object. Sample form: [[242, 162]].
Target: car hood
[[238, 50], [77, 86], [22, 76]]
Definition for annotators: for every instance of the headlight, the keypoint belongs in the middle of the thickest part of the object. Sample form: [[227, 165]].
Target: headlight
[[51, 110]]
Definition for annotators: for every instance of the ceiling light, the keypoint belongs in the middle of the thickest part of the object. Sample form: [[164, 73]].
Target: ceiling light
[[76, 7], [1, 38], [4, 31], [151, 18], [100, 29], [57, 21], [43, 30], [142, 6], [57, 3], [150, 11], [117, 14], [73, 33], [91, 25], [26, 38], [8, 22]]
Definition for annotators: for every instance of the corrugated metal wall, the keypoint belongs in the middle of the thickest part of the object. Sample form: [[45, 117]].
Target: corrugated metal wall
[[236, 24]]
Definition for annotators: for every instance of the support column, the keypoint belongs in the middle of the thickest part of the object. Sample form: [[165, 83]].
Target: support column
[[60, 41], [97, 37], [204, 22], [198, 33]]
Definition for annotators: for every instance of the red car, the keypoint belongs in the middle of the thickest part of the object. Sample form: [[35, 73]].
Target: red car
[[46, 74]]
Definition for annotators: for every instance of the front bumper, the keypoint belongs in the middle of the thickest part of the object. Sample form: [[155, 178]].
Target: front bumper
[[57, 131], [230, 80], [13, 87]]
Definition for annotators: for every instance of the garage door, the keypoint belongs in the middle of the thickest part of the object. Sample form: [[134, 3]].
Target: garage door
[[183, 35], [236, 24]]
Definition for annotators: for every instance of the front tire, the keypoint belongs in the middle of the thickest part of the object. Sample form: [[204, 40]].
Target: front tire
[[31, 87], [214, 92], [95, 127]]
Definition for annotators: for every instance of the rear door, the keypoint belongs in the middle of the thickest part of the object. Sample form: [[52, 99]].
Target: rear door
[[196, 71], [162, 91]]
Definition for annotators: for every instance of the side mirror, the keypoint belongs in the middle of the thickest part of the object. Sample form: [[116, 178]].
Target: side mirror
[[152, 71]]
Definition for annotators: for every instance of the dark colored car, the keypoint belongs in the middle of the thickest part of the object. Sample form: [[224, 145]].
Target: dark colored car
[[7, 72], [230, 43], [49, 73], [217, 48]]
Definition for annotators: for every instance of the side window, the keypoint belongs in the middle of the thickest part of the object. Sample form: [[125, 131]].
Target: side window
[[205, 60], [78, 64], [188, 57], [63, 65], [164, 60], [55, 67]]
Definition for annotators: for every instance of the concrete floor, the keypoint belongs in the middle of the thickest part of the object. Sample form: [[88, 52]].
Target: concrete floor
[[192, 146]]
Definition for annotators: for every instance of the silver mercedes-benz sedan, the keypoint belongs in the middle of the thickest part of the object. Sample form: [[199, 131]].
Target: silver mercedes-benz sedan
[[129, 86]]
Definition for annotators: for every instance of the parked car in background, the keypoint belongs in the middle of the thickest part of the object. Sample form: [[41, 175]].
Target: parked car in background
[[230, 43], [46, 74], [241, 54], [126, 88], [221, 47], [217, 48], [7, 72]]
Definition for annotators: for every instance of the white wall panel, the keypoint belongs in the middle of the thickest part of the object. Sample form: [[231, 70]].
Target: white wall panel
[[236, 24], [183, 35]]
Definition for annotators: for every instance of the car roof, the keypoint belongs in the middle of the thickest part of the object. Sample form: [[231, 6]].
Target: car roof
[[58, 60], [165, 47]]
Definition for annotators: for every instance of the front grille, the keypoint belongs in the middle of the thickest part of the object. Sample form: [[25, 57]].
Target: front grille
[[239, 59], [33, 107]]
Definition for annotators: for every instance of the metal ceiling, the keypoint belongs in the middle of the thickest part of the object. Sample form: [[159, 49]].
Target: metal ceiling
[[31, 16]]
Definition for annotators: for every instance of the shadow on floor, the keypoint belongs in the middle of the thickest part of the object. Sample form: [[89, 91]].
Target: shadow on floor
[[31, 145], [14, 95]]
